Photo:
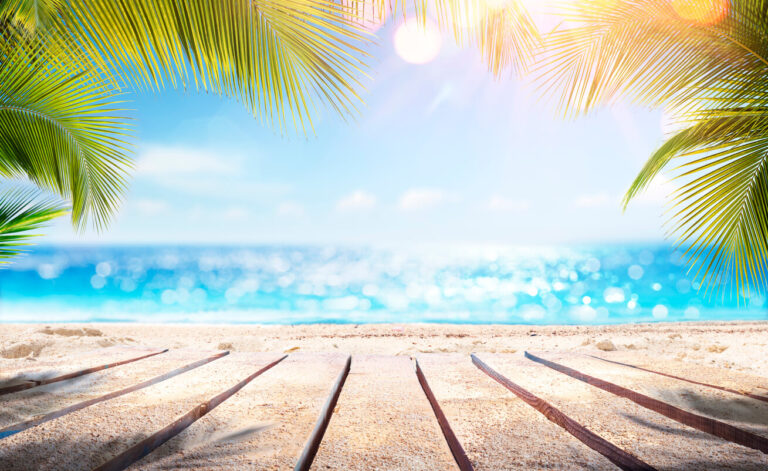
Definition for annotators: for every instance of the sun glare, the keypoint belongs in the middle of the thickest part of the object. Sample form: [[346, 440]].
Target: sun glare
[[705, 12], [416, 43]]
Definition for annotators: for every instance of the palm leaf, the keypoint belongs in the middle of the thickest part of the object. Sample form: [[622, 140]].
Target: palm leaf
[[280, 58], [33, 15], [22, 211], [503, 31], [61, 125], [709, 62]]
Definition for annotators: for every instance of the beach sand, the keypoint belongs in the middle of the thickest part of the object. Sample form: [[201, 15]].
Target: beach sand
[[382, 419], [741, 346]]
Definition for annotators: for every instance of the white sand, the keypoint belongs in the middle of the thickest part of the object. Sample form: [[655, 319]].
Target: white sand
[[382, 420], [741, 346]]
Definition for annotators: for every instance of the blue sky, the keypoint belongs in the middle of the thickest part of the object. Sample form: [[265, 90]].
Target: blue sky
[[442, 153]]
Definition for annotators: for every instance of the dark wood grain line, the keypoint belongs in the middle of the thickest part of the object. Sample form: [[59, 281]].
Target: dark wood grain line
[[616, 455], [29, 384], [699, 422], [21, 426], [149, 444], [713, 386], [316, 437], [462, 460]]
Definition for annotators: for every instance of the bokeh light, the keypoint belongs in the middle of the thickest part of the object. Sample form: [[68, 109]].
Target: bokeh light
[[418, 43]]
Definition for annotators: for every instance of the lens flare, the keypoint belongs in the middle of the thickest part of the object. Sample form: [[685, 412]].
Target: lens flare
[[416, 43], [705, 12]]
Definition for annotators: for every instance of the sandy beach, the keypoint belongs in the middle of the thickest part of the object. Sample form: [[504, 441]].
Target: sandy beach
[[382, 419], [740, 346]]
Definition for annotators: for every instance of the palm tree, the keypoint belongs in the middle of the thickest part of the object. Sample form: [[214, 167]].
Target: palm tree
[[707, 61], [64, 65]]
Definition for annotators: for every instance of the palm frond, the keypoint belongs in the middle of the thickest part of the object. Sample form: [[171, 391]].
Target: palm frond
[[645, 51], [503, 31], [33, 15], [61, 125], [278, 57], [709, 61], [23, 211]]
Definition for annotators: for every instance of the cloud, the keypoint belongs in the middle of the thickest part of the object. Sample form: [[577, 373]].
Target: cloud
[[150, 207], [357, 201], [161, 161], [657, 194], [290, 209], [204, 172], [504, 204], [595, 200], [421, 198], [235, 213]]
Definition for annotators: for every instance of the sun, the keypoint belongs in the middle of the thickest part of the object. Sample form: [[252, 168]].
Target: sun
[[418, 43]]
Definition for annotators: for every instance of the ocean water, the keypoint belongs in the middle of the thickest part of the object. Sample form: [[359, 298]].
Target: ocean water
[[288, 285]]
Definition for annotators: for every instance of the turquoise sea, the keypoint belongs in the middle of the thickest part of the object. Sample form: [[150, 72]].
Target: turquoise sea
[[286, 285]]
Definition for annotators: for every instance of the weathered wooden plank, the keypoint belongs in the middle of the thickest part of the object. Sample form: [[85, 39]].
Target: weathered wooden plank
[[383, 421], [699, 422], [495, 427], [316, 437], [265, 426], [149, 444], [687, 380], [616, 455], [27, 424], [453, 442], [33, 383]]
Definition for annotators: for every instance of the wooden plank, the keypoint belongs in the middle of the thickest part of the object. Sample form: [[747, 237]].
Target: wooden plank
[[16, 370], [496, 428], [27, 424], [453, 442], [616, 455], [687, 380], [383, 421], [149, 444], [316, 437], [92, 436], [31, 403], [265, 426], [658, 440], [699, 422], [32, 383]]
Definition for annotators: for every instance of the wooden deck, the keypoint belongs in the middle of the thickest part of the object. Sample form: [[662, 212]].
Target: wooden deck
[[144, 409]]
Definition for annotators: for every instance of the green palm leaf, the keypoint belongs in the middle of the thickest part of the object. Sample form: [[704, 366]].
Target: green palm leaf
[[61, 125], [280, 58], [710, 63], [22, 211]]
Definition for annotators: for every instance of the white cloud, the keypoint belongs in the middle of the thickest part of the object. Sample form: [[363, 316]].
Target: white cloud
[[596, 200], [357, 201], [502, 203], [421, 198], [235, 213], [159, 161], [150, 207], [657, 193], [202, 172], [290, 209]]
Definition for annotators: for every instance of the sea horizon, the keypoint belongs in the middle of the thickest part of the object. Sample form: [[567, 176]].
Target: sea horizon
[[273, 284]]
